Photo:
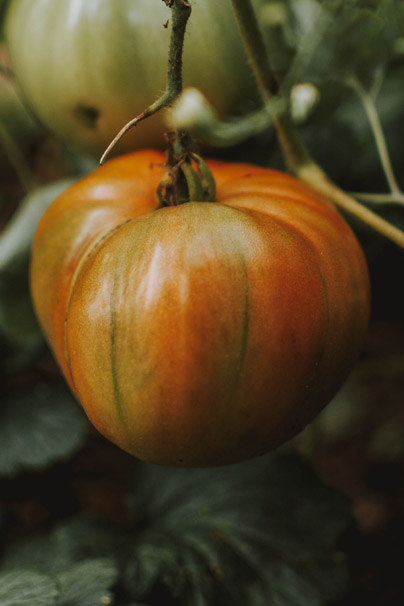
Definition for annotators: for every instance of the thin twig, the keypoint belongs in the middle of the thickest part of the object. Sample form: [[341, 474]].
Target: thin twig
[[388, 198], [180, 12], [163, 101], [378, 134]]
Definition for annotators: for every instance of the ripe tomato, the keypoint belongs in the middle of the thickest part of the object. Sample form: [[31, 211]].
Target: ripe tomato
[[204, 333], [86, 68]]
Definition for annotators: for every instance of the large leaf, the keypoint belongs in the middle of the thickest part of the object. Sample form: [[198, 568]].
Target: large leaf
[[17, 319], [256, 533], [38, 428], [87, 583], [81, 538], [16, 237], [27, 588], [264, 531]]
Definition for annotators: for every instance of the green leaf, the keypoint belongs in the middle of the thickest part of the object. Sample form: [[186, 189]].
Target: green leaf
[[266, 528], [17, 318], [343, 38], [16, 237], [87, 583], [27, 588], [18, 323], [257, 533], [78, 539], [38, 428]]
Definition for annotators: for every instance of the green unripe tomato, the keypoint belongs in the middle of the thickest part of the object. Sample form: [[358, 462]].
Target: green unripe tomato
[[86, 67]]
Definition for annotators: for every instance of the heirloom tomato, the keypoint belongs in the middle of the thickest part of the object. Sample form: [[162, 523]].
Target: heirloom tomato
[[204, 333], [86, 67]]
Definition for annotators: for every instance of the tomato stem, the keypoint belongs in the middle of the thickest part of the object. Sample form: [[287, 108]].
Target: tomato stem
[[187, 177], [297, 157], [257, 52], [294, 151], [180, 12]]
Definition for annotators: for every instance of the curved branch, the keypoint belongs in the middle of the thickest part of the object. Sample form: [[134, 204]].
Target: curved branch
[[378, 134], [318, 180]]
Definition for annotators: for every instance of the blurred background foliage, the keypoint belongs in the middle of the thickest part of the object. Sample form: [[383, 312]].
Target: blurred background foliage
[[319, 522]]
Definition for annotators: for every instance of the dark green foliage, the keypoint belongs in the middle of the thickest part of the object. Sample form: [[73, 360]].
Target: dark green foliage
[[83, 584], [261, 532], [27, 588], [356, 39], [81, 538], [86, 583], [335, 39], [260, 527], [17, 318], [38, 427]]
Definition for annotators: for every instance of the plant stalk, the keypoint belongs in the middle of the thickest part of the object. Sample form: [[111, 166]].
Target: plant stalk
[[297, 157], [314, 176], [378, 134], [256, 51], [180, 12]]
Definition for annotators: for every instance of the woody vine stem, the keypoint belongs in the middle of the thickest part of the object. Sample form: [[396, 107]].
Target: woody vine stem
[[296, 155]]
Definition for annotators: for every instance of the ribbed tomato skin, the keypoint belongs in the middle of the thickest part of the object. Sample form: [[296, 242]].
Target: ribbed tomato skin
[[206, 333]]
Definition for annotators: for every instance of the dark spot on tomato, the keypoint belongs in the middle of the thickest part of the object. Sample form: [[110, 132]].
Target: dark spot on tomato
[[87, 116]]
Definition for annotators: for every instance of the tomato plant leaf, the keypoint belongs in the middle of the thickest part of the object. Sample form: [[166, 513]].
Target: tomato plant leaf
[[334, 39], [266, 523], [27, 588], [81, 538], [352, 38], [16, 237], [17, 319], [260, 532], [87, 583], [18, 323], [38, 428]]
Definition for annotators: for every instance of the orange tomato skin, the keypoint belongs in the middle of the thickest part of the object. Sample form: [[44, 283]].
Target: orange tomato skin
[[206, 333]]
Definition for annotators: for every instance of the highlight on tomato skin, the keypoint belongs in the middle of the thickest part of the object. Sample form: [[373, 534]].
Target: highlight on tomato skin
[[206, 333]]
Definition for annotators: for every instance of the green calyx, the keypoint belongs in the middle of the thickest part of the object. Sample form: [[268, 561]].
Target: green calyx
[[188, 178]]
